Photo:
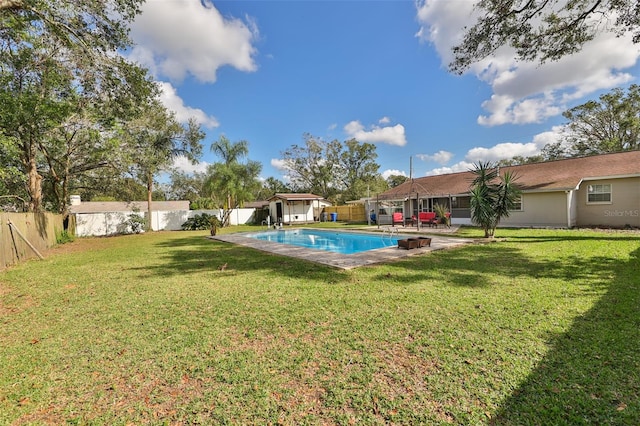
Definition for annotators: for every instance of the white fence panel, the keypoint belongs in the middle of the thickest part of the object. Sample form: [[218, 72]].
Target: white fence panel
[[99, 224], [169, 220], [236, 217], [242, 216], [110, 223]]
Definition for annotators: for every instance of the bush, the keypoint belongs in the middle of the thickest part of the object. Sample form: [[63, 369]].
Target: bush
[[64, 237], [214, 224], [441, 212], [198, 222], [136, 222]]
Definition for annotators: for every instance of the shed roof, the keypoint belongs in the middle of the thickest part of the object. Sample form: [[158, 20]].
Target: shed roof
[[297, 197], [559, 175], [256, 204], [127, 206]]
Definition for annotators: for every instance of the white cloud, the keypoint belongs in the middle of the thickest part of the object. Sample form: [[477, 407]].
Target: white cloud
[[279, 164], [528, 92], [169, 98], [440, 157], [506, 109], [556, 134], [180, 37], [184, 165], [384, 120], [390, 172], [442, 23], [502, 151], [392, 135], [462, 166]]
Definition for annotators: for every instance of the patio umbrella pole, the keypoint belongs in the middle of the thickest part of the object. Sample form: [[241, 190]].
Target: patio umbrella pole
[[378, 210], [418, 208]]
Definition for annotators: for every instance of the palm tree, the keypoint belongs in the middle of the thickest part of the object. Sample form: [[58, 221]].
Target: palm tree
[[235, 181], [493, 196], [230, 152]]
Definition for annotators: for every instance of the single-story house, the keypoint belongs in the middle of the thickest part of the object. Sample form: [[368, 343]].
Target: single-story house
[[289, 208], [599, 190]]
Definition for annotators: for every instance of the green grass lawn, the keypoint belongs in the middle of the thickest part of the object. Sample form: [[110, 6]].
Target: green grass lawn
[[540, 327]]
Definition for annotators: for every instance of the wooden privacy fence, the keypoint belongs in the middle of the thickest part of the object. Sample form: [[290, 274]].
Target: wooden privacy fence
[[348, 213], [26, 235]]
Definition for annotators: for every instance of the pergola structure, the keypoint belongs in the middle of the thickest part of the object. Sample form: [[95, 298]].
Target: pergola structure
[[413, 197]]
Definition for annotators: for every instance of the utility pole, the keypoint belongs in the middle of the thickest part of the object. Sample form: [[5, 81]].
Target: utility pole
[[410, 167]]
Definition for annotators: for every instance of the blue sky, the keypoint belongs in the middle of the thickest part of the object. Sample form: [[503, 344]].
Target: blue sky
[[269, 71]]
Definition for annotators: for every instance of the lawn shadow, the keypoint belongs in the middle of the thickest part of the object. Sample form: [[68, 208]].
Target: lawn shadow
[[195, 254], [599, 237], [591, 375], [460, 264], [474, 266]]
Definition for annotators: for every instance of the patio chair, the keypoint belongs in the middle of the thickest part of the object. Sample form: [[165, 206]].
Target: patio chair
[[397, 218], [428, 218]]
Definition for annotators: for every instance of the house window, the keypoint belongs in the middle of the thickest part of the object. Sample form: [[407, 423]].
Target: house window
[[461, 202], [397, 208], [599, 194], [517, 205]]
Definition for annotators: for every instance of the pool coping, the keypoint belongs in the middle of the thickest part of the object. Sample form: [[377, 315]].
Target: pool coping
[[343, 261]]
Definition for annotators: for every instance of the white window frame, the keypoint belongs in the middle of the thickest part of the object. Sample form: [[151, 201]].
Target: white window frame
[[593, 189], [521, 197]]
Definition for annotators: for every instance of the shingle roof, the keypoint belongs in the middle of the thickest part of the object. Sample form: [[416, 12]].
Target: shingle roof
[[122, 206], [256, 204], [536, 177]]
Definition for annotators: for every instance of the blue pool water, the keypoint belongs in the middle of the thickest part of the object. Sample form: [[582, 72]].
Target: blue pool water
[[337, 242]]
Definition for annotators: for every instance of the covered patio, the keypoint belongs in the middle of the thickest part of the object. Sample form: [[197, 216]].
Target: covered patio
[[407, 201]]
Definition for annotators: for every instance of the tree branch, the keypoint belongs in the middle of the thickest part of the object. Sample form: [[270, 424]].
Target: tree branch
[[11, 4]]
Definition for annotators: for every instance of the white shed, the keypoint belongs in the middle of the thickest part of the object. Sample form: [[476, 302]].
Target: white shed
[[292, 208]]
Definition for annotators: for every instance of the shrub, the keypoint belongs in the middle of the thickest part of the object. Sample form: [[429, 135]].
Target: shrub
[[198, 222], [64, 237], [136, 222], [441, 212], [214, 224]]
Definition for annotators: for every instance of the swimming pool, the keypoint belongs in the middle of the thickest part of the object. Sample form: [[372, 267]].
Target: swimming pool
[[328, 240]]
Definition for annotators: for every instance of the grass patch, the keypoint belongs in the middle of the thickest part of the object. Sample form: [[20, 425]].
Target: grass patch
[[540, 327]]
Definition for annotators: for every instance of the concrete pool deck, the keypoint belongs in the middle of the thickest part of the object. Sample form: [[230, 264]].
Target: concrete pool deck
[[349, 261]]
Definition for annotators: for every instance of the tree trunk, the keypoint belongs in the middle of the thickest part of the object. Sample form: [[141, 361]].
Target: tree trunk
[[147, 226], [34, 182], [227, 212], [64, 206]]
